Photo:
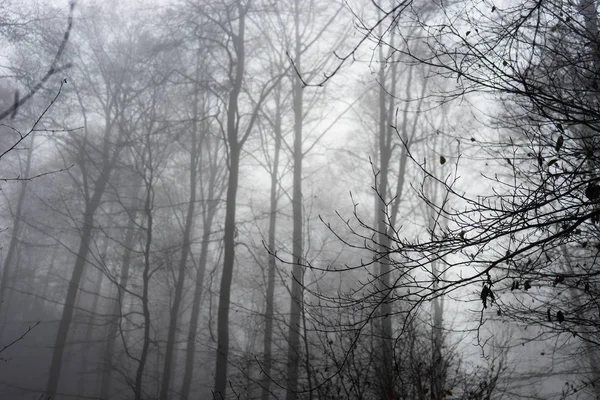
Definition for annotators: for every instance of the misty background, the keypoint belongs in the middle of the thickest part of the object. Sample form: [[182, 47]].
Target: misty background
[[292, 199]]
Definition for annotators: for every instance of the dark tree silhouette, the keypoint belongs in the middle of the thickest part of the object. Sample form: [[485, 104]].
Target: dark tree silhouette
[[523, 241]]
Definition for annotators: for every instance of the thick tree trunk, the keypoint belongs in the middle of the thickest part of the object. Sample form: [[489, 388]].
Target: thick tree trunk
[[229, 234], [226, 279]]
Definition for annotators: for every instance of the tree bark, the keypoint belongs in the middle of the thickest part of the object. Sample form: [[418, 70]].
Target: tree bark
[[208, 212], [293, 357], [113, 327], [272, 263], [148, 210], [80, 262], [187, 237], [191, 341], [229, 234], [82, 382], [16, 232], [382, 212], [438, 379]]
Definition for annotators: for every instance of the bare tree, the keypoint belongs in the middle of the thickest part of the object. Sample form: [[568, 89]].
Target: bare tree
[[512, 242], [111, 89], [236, 135], [11, 24]]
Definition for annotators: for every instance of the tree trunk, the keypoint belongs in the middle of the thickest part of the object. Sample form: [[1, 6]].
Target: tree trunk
[[14, 239], [80, 262], [187, 236], [191, 341], [438, 379], [293, 357], [229, 234], [272, 263], [148, 209], [385, 312], [82, 382], [113, 327], [228, 261]]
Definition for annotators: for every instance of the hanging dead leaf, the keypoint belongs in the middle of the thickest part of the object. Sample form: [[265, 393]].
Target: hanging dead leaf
[[592, 192], [559, 143]]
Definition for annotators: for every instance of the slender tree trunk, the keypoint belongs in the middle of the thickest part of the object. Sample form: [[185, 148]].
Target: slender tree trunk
[[187, 236], [228, 261], [384, 267], [307, 360], [229, 234], [97, 277], [384, 289], [438, 380], [148, 209], [113, 327], [293, 357], [14, 239], [82, 382], [51, 266], [208, 214], [65, 322], [191, 341], [80, 262], [272, 263]]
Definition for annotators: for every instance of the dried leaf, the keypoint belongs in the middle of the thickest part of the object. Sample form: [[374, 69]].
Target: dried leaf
[[592, 192], [559, 143]]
